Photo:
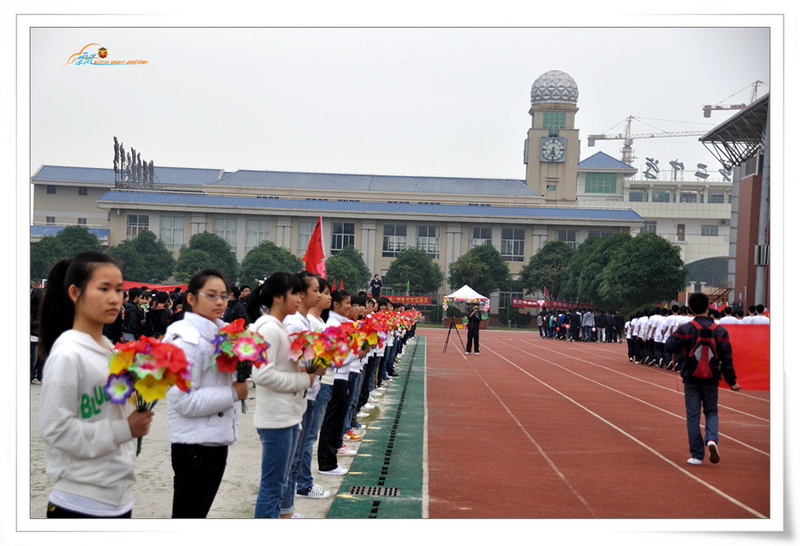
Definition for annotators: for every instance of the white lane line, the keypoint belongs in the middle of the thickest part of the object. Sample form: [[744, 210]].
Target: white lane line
[[538, 447], [656, 385], [639, 442]]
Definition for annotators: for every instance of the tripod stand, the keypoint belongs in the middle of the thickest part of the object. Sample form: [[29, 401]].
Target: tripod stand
[[447, 339]]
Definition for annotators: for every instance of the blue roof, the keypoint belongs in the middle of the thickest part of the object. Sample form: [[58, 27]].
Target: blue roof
[[378, 183], [191, 201], [164, 175], [52, 231], [602, 160]]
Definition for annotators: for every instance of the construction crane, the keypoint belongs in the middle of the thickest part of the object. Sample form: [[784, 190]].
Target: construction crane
[[753, 96], [627, 147]]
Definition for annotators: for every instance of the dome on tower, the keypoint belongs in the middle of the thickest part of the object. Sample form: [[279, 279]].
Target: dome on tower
[[554, 86]]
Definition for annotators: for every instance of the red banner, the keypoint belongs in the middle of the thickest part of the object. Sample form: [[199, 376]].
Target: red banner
[[157, 287], [552, 304], [750, 344], [410, 300]]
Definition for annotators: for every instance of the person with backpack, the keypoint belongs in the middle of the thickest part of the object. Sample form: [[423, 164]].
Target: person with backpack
[[707, 355]]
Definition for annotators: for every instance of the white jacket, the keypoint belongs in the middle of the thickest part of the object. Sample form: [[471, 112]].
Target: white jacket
[[209, 413], [317, 325], [88, 447], [280, 385], [343, 371]]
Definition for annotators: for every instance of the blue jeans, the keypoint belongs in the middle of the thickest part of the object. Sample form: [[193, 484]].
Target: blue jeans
[[287, 504], [277, 450], [696, 395], [356, 379], [305, 481]]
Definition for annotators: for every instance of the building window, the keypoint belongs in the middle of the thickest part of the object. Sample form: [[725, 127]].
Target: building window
[[569, 236], [428, 240], [716, 197], [637, 196], [81, 221], [599, 233], [552, 187], [226, 228], [554, 120], [661, 196], [648, 226], [255, 231], [83, 190], [171, 231], [136, 224], [304, 230], [688, 197], [512, 244], [394, 239], [50, 220], [601, 183], [51, 189], [709, 231], [479, 236], [343, 235], [681, 233]]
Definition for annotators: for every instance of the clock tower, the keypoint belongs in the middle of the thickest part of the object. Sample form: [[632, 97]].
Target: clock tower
[[552, 147]]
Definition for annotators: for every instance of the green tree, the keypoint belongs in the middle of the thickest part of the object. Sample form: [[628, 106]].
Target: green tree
[[348, 265], [417, 268], [78, 239], [190, 262], [591, 275], [144, 258], [265, 259], [482, 268], [547, 268], [220, 255], [44, 253], [645, 270], [570, 288]]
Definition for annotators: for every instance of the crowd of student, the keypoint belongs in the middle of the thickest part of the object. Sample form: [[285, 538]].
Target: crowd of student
[[581, 325], [89, 452]]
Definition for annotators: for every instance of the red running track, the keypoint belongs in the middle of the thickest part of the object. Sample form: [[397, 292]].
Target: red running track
[[540, 428]]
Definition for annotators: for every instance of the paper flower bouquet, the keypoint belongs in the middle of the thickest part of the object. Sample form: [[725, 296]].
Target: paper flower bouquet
[[238, 349], [140, 372]]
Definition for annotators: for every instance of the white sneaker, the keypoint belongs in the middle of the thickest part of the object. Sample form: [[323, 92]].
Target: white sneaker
[[316, 492], [361, 415], [368, 407], [345, 451], [338, 471], [696, 462], [713, 452]]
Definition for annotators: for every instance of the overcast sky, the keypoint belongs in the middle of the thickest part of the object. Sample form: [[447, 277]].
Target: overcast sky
[[398, 101]]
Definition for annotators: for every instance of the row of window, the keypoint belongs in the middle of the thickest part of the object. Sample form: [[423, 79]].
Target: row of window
[[680, 234], [82, 190], [395, 236], [670, 196]]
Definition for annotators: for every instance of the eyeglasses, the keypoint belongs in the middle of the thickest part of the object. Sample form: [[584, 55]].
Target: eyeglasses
[[221, 297]]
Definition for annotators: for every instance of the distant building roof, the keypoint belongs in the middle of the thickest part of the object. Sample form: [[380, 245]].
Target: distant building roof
[[377, 183], [602, 160], [345, 207], [52, 231], [164, 175]]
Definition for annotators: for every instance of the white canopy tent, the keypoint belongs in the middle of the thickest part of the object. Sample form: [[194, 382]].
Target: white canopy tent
[[465, 294]]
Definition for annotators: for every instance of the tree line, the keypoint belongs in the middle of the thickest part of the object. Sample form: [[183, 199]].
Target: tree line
[[619, 271]]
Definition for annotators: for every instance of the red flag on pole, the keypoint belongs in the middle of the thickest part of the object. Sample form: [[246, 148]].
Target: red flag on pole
[[341, 285], [546, 293], [314, 257]]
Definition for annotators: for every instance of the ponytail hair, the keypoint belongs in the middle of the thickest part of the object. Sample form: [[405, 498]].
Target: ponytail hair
[[57, 311], [323, 283], [276, 285]]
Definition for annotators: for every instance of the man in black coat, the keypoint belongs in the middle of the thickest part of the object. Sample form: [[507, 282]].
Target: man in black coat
[[473, 329]]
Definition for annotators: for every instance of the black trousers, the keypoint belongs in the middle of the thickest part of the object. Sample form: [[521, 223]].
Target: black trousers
[[472, 337], [330, 434], [56, 512], [198, 473]]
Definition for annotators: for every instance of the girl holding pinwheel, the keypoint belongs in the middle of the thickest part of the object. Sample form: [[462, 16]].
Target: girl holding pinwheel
[[204, 421], [89, 449], [280, 388]]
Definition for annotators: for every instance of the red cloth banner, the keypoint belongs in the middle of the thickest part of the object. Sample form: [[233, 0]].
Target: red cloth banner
[[750, 344], [413, 300], [314, 257], [126, 285]]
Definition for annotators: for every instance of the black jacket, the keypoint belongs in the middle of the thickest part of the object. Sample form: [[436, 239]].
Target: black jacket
[[682, 340]]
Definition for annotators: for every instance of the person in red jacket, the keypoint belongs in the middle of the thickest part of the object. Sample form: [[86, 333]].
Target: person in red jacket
[[703, 392]]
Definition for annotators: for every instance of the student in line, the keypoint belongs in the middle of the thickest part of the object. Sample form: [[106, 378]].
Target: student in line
[[88, 441]]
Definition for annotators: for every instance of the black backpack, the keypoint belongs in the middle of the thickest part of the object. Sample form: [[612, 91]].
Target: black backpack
[[702, 361]]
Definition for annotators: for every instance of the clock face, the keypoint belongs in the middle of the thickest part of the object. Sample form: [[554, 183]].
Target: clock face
[[553, 149]]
